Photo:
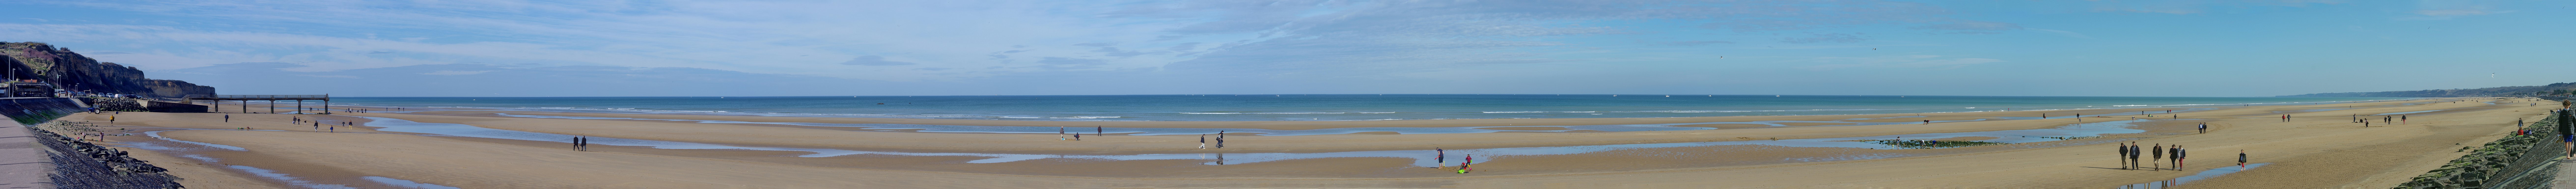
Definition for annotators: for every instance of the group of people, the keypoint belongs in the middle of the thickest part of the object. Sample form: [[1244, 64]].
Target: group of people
[[1096, 131], [317, 124], [580, 143], [2157, 153], [1441, 158], [2365, 122], [1220, 140]]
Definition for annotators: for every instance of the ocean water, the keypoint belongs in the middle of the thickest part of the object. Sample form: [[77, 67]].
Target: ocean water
[[1318, 107]]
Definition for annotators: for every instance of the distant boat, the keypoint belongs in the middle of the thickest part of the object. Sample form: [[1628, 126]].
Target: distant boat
[[1668, 95], [1614, 95], [1775, 95]]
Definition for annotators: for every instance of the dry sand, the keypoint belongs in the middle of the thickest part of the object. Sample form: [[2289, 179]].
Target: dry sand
[[2318, 150], [1305, 125], [817, 137]]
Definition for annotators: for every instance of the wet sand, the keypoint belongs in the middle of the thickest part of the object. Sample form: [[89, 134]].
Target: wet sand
[[1526, 128], [1305, 125], [2317, 150], [1726, 126]]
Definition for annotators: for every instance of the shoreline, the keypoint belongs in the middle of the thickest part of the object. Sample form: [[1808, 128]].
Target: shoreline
[[1130, 113], [428, 157], [789, 136]]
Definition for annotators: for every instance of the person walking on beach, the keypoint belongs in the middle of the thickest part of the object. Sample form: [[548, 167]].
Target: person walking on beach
[[2177, 156], [1220, 139], [2240, 158], [2124, 154], [2159, 155], [228, 118], [1441, 158], [1202, 141], [2401, 119], [111, 119], [576, 143], [1077, 136], [1059, 133], [1927, 122], [2204, 127], [1097, 130], [2134, 152]]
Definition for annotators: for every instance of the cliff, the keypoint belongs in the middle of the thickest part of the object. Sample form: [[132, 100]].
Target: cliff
[[71, 71], [2551, 89]]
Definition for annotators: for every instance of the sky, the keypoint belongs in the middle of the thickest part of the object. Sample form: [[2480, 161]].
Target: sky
[[1066, 47]]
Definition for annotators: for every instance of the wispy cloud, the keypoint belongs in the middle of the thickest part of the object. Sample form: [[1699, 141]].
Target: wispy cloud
[[2195, 6], [2448, 9], [1698, 43], [971, 41], [1826, 38], [2062, 33], [874, 60], [1910, 61]]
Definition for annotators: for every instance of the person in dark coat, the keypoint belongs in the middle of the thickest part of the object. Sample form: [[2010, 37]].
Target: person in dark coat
[[2240, 158], [2157, 154], [2134, 152], [2124, 154]]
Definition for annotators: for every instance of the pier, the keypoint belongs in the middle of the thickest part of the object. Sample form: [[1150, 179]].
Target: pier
[[272, 101]]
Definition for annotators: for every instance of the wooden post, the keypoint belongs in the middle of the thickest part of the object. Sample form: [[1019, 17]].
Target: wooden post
[[299, 107]]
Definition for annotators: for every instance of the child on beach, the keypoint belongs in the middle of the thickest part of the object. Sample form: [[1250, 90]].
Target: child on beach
[[1462, 166]]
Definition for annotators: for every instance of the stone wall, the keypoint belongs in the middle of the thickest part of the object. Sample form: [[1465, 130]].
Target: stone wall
[[38, 159], [2505, 163]]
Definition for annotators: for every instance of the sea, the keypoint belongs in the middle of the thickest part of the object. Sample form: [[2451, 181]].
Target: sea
[[1316, 107]]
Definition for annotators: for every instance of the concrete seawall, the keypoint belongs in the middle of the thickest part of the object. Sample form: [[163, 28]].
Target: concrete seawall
[[38, 159]]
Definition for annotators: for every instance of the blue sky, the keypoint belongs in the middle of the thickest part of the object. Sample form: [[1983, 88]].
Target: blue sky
[[972, 47]]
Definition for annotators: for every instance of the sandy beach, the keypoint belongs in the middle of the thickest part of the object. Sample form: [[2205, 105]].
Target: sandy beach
[[2318, 149]]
